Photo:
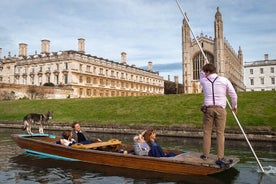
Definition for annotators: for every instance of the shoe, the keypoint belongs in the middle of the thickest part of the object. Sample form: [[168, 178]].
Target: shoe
[[222, 163], [203, 157], [219, 162]]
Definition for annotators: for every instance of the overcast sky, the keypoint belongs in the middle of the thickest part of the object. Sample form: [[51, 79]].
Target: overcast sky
[[147, 30]]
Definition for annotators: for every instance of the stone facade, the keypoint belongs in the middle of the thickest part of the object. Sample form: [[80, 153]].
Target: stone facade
[[86, 75], [260, 75], [217, 50]]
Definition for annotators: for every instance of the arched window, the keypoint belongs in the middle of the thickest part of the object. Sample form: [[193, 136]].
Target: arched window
[[198, 62]]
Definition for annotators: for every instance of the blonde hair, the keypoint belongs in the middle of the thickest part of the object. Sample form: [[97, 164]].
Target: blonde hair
[[137, 137]]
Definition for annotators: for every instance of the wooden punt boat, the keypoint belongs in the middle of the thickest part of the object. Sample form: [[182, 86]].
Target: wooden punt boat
[[106, 153]]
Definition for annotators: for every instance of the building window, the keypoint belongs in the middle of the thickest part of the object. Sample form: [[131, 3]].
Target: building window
[[272, 70], [251, 71], [101, 71], [57, 79], [88, 80], [80, 68], [40, 68], [25, 69], [18, 70], [261, 70], [40, 81], [81, 91], [122, 75], [57, 66], [32, 80], [88, 68], [262, 80], [252, 82], [88, 92], [112, 93], [112, 83], [66, 66], [66, 79], [198, 63], [101, 82], [80, 79], [48, 67], [273, 80]]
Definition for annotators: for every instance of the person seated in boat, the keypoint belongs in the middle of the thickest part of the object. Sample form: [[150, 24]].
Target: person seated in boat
[[81, 136], [67, 139], [155, 148], [140, 146]]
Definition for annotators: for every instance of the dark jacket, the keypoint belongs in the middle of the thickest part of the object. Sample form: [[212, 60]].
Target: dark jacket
[[88, 138]]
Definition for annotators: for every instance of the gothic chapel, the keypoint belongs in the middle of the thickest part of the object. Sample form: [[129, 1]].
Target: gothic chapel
[[217, 50]]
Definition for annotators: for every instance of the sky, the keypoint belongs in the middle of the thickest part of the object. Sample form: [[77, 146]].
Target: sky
[[147, 30]]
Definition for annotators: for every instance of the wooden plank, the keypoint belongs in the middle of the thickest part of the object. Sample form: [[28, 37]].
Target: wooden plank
[[112, 142]]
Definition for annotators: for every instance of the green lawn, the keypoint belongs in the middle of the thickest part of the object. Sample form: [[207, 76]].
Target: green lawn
[[254, 109]]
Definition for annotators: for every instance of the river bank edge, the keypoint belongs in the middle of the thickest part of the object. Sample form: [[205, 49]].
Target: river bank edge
[[189, 131]]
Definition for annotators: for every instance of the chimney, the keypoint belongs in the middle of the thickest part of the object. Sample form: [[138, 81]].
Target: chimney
[[266, 57], [22, 49], [81, 45], [45, 46], [169, 78], [150, 66], [176, 84], [176, 80], [123, 58], [0, 53]]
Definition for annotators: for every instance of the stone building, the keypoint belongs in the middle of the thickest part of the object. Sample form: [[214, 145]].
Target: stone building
[[86, 75], [217, 50], [260, 75]]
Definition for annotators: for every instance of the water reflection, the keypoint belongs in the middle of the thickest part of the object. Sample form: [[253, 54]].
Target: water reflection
[[79, 172]]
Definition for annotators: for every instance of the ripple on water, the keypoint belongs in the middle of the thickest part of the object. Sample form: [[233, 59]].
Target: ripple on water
[[270, 170]]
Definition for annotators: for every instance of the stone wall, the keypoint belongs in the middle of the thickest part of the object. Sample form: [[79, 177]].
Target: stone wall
[[252, 133], [35, 92]]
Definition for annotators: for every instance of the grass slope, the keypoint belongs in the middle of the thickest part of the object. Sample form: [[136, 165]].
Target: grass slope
[[254, 109]]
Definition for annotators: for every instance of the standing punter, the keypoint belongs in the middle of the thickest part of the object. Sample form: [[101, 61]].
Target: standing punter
[[214, 113]]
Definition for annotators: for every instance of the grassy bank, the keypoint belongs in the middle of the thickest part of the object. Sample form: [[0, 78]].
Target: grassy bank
[[254, 109]]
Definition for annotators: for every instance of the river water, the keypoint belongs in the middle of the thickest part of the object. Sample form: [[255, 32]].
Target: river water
[[18, 167]]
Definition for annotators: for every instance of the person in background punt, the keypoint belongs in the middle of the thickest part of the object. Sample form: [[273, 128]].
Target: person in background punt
[[215, 89], [155, 148], [140, 146], [81, 136], [67, 139]]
